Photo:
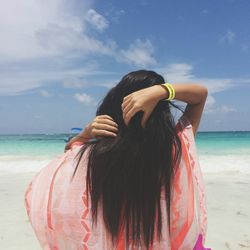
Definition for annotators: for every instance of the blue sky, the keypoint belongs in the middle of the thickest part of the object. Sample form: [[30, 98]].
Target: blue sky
[[59, 58]]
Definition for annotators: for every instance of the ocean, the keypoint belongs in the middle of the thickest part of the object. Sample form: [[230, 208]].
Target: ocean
[[217, 151]]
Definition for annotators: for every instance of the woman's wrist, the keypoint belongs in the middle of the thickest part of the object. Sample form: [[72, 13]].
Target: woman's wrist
[[85, 133], [83, 136], [159, 93]]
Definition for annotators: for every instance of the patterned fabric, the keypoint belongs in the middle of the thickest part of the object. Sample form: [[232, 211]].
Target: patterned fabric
[[60, 213]]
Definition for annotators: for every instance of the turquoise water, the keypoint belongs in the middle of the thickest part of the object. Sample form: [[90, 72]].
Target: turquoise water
[[32, 144], [217, 151], [221, 143], [207, 143]]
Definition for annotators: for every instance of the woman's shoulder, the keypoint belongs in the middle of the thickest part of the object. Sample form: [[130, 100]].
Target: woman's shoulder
[[183, 123], [184, 130]]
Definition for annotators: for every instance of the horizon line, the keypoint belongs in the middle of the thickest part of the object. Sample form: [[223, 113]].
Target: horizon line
[[208, 131]]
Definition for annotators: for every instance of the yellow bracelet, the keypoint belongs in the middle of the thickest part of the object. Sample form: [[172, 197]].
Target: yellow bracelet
[[171, 91]]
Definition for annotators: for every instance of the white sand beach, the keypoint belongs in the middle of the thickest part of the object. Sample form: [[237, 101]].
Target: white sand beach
[[228, 202]]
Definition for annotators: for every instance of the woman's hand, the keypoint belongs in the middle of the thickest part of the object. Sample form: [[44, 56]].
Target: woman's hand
[[102, 125], [142, 100]]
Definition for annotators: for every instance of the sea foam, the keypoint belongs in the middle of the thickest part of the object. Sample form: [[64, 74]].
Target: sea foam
[[208, 163]]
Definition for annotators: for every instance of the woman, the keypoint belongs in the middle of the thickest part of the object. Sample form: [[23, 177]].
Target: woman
[[131, 179]]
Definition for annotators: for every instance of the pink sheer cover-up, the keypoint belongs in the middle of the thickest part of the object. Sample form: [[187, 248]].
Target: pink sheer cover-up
[[60, 213]]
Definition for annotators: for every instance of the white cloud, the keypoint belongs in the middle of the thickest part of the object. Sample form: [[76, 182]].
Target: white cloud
[[58, 40], [226, 109], [44, 93], [97, 20], [210, 102], [84, 98], [228, 37], [42, 40], [21, 35], [115, 14], [183, 73], [212, 108], [75, 83], [108, 84], [139, 53], [21, 80], [179, 72], [37, 29]]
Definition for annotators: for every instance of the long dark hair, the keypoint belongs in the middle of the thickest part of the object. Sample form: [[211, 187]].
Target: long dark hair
[[126, 173]]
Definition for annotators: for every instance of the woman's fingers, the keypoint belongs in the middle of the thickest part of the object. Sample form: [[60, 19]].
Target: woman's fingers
[[127, 97], [125, 102], [104, 117], [127, 108], [130, 114], [101, 126], [145, 118], [128, 104], [100, 132], [106, 121]]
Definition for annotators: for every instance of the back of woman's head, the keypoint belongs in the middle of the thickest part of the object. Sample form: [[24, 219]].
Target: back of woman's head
[[126, 173]]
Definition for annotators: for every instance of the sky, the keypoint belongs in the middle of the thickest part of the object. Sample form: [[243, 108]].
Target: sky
[[59, 58]]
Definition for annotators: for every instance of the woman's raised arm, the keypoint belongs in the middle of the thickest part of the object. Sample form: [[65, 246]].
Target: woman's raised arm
[[194, 95], [146, 99]]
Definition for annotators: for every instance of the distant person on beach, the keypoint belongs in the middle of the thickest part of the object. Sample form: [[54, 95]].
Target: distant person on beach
[[131, 179]]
